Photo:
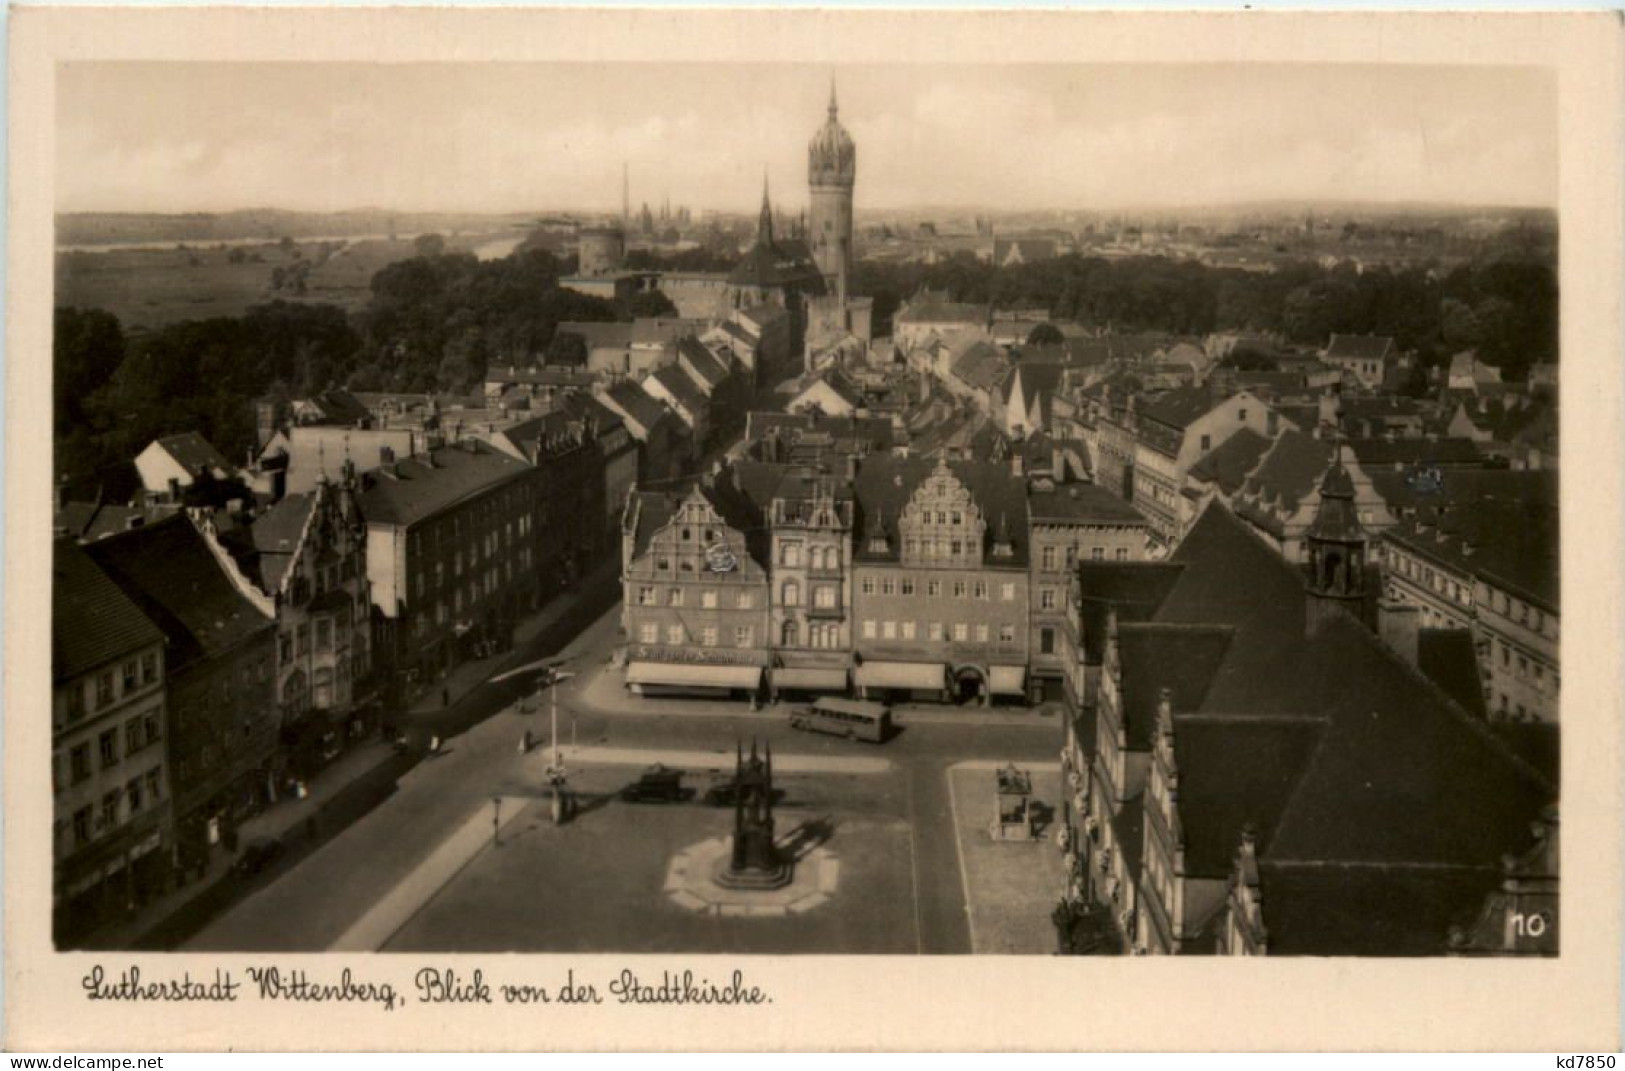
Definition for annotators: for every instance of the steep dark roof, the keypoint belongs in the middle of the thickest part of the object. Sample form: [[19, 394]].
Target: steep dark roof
[[680, 387], [1291, 470], [703, 361], [274, 536], [93, 622], [885, 484], [168, 570], [1447, 657], [1509, 544], [1359, 347], [1178, 408], [1181, 658], [981, 365], [1038, 382], [1366, 911], [194, 453], [90, 521], [781, 264], [1375, 453], [1085, 503], [642, 409], [614, 336], [1135, 590], [1229, 465], [422, 490], [1236, 771]]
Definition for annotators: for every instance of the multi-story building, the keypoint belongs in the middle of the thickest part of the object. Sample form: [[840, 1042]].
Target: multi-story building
[[1489, 565], [112, 833], [940, 593], [219, 671], [1174, 431], [811, 569], [1252, 727], [695, 592], [1069, 523], [308, 553], [569, 461], [454, 540]]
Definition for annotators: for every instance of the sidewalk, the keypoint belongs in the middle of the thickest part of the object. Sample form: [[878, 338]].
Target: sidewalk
[[601, 689], [288, 820]]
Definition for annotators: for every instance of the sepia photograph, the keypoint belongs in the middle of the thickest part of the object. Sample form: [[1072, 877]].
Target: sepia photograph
[[815, 507]]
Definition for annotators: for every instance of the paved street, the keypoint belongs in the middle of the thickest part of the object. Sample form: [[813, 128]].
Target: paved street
[[315, 903]]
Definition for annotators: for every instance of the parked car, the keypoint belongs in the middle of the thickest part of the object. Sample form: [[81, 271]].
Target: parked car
[[258, 854], [657, 784], [723, 791]]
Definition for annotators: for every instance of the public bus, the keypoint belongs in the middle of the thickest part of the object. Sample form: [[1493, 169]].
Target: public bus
[[855, 719]]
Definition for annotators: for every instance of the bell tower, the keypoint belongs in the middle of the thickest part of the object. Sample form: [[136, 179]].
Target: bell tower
[[832, 169], [1335, 545]]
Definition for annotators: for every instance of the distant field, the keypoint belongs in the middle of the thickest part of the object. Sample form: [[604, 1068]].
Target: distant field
[[155, 287]]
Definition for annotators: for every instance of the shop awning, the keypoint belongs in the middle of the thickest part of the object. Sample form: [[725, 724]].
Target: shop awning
[[827, 680], [1008, 680], [693, 675], [921, 676]]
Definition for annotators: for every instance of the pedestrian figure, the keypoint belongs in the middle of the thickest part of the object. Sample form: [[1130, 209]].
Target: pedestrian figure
[[434, 744], [445, 697]]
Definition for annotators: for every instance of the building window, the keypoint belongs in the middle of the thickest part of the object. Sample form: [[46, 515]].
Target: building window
[[824, 597], [155, 783], [708, 636], [129, 677], [1097, 554], [1049, 559], [1007, 633], [76, 701], [933, 588], [151, 722], [961, 631], [646, 596], [104, 689], [981, 633], [743, 600], [132, 736], [867, 585], [649, 633], [81, 826], [908, 630], [792, 554], [959, 589], [108, 746], [888, 586], [868, 630], [1122, 554], [1046, 641], [674, 634], [790, 634], [934, 630], [109, 809], [708, 599], [791, 593], [79, 762], [888, 629], [1007, 592], [133, 792], [742, 636], [908, 585], [1046, 598]]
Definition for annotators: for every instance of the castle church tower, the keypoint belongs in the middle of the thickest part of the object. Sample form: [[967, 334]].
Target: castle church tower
[[832, 169], [1336, 545]]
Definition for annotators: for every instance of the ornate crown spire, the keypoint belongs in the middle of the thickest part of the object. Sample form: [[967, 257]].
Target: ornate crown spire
[[833, 107]]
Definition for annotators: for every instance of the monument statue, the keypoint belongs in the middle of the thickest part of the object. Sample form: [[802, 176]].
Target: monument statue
[[754, 861]]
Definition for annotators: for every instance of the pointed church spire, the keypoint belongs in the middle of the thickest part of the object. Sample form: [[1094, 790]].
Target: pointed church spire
[[833, 107], [764, 223]]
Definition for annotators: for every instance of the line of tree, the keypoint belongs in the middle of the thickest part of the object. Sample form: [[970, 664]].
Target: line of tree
[[1505, 309]]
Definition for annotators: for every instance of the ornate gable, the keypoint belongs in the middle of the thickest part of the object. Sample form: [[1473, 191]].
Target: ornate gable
[[942, 525]]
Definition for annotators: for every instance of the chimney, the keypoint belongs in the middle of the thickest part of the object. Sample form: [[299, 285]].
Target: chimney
[[1399, 624]]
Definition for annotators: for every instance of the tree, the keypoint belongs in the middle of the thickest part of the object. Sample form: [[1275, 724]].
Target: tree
[[1045, 335], [429, 245], [649, 304], [568, 348]]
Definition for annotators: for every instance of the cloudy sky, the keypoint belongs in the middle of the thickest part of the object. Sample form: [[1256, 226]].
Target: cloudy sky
[[488, 137]]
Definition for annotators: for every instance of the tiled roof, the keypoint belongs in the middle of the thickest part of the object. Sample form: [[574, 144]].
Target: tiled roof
[[1505, 542], [275, 536], [1374, 453], [194, 453], [1234, 772], [90, 521], [981, 366], [1359, 347], [933, 309], [763, 314], [1229, 465], [703, 362], [638, 406], [169, 571], [661, 331], [1291, 469], [1178, 408], [93, 622], [782, 264], [422, 490], [1447, 657], [680, 387], [1085, 503], [886, 484], [1366, 911], [1154, 655], [613, 336]]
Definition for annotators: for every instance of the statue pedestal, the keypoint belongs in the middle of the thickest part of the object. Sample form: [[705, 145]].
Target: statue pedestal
[[753, 879], [753, 862]]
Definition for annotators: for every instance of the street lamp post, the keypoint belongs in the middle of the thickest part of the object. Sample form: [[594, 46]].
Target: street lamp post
[[496, 820], [556, 773]]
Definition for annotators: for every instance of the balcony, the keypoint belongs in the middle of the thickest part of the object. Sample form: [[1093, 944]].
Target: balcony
[[828, 613]]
